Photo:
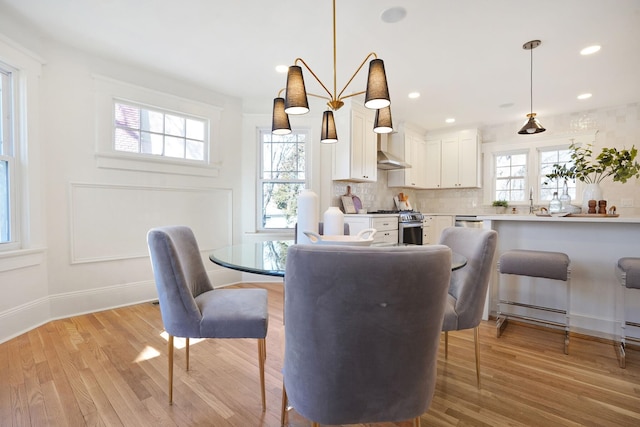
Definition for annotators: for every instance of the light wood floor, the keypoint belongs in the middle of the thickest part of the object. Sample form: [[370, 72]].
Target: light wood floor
[[110, 368]]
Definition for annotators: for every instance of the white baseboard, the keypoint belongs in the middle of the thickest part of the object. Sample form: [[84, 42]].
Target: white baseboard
[[26, 317]]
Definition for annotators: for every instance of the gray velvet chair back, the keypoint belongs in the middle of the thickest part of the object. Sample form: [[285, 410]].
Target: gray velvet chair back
[[362, 330], [180, 276], [469, 284]]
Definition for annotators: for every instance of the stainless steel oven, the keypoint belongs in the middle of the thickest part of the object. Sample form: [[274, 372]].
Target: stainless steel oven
[[410, 228]]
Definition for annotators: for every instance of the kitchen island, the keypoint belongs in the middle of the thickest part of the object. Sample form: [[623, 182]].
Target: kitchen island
[[594, 245]]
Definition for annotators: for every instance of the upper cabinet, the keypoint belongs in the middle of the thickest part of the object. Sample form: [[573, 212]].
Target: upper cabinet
[[410, 146], [355, 154], [453, 160]]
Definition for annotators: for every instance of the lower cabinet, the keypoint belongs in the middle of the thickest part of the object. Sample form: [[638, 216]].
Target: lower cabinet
[[432, 226], [386, 226]]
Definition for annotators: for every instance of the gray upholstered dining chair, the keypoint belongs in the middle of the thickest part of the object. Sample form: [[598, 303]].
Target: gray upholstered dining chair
[[189, 305], [362, 331], [468, 288]]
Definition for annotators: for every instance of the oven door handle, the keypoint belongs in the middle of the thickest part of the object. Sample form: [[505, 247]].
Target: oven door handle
[[410, 224]]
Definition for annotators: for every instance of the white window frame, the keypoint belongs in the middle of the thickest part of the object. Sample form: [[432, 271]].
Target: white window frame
[[261, 180], [494, 178], [163, 133], [531, 145], [10, 152], [571, 184], [108, 90]]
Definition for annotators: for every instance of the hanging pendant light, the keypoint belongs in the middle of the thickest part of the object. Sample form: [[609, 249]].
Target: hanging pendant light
[[377, 95], [280, 120], [532, 124], [382, 123], [328, 134], [295, 101]]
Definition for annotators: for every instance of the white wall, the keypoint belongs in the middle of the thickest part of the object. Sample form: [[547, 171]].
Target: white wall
[[90, 222]]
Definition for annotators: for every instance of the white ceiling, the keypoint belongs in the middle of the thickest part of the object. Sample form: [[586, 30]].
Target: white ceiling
[[464, 56]]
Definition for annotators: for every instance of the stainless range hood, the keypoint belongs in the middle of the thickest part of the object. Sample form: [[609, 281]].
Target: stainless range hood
[[386, 160]]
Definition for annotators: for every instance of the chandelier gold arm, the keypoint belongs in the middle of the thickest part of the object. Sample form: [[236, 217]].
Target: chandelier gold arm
[[354, 74], [314, 76]]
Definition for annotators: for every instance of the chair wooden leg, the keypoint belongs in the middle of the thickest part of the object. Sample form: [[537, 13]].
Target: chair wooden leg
[[261, 357], [446, 344], [314, 424], [187, 351], [170, 351], [476, 339], [285, 402], [416, 422]]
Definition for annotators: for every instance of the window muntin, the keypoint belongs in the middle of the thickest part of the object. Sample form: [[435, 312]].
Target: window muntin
[[511, 177], [282, 176], [148, 131], [548, 158]]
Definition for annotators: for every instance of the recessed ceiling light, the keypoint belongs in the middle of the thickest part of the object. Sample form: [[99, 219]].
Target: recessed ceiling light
[[584, 96], [450, 120], [506, 105], [589, 50], [393, 15], [414, 95], [282, 68]]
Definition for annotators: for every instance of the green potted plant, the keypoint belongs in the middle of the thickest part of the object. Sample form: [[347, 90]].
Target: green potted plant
[[500, 205], [618, 164]]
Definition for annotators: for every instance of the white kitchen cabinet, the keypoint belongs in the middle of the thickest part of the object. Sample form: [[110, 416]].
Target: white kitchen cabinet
[[355, 155], [453, 160], [412, 148], [433, 225], [386, 226]]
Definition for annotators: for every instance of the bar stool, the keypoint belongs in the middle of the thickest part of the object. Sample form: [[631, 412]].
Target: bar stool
[[549, 265], [628, 273]]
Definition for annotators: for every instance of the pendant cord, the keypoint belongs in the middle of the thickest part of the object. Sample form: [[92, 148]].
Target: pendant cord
[[531, 81]]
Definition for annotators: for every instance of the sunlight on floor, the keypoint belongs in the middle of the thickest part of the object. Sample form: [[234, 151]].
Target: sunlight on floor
[[178, 343], [146, 354]]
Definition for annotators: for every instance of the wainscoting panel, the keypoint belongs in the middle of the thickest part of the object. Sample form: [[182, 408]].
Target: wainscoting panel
[[110, 222]]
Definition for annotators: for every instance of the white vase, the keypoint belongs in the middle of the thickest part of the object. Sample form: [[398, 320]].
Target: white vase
[[590, 192], [333, 222], [308, 217]]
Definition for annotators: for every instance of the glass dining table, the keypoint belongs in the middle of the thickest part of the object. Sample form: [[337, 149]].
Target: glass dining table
[[270, 257]]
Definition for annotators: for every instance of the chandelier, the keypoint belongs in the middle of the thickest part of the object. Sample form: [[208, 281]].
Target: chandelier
[[295, 100]]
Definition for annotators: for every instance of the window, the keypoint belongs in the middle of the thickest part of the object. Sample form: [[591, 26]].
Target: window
[[548, 158], [282, 176], [515, 170], [7, 192], [155, 132], [511, 177]]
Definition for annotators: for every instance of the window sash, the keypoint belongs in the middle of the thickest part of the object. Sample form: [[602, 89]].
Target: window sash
[[282, 175], [145, 130], [9, 221]]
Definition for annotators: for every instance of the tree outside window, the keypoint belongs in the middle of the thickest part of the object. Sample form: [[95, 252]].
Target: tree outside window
[[511, 175], [548, 158], [282, 177]]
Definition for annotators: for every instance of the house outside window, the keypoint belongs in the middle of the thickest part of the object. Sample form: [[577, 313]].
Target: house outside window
[[282, 176], [149, 131]]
